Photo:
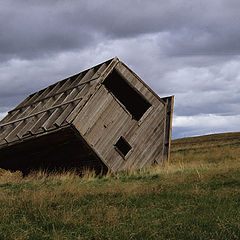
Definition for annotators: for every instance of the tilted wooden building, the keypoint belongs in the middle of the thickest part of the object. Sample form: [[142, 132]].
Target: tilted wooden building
[[105, 118]]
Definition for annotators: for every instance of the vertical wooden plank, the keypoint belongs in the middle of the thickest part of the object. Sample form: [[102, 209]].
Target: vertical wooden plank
[[168, 126]]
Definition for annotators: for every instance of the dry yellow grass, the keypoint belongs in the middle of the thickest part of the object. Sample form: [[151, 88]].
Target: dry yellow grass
[[176, 200], [196, 154]]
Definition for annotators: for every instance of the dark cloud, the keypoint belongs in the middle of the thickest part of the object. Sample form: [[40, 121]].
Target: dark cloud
[[32, 31], [204, 42], [35, 28], [186, 48]]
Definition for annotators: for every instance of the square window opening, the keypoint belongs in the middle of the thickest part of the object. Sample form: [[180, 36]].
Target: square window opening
[[123, 146], [133, 101]]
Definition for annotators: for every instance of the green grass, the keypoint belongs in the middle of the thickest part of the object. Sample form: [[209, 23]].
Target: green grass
[[197, 196]]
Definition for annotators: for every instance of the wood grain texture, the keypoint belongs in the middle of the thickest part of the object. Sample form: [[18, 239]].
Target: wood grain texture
[[104, 119], [29, 122], [98, 116]]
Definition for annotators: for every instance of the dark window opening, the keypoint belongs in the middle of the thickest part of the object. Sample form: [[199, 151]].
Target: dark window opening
[[123, 146], [135, 103]]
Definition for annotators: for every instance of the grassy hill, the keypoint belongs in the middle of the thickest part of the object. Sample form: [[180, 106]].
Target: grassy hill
[[195, 196]]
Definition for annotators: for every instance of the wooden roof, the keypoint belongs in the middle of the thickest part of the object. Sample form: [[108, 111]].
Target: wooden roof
[[51, 108]]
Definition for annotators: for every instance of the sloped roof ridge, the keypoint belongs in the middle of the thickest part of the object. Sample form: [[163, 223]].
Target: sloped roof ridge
[[61, 82], [52, 107], [75, 75]]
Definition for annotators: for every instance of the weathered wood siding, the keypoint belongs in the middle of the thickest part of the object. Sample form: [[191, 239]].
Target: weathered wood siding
[[50, 108], [168, 126], [104, 119], [97, 110]]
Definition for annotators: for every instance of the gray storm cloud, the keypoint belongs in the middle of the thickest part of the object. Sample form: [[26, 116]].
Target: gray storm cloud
[[186, 48], [30, 29]]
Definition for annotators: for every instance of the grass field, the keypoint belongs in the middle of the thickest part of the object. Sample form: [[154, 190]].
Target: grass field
[[195, 196]]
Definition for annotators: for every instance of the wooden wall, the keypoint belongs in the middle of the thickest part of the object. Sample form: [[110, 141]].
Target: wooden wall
[[90, 104], [104, 119]]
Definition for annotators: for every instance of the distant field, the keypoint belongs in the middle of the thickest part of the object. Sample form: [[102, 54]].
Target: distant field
[[195, 196], [213, 149], [206, 140]]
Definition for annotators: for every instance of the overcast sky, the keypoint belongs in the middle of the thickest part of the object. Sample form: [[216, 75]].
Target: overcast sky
[[190, 49]]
